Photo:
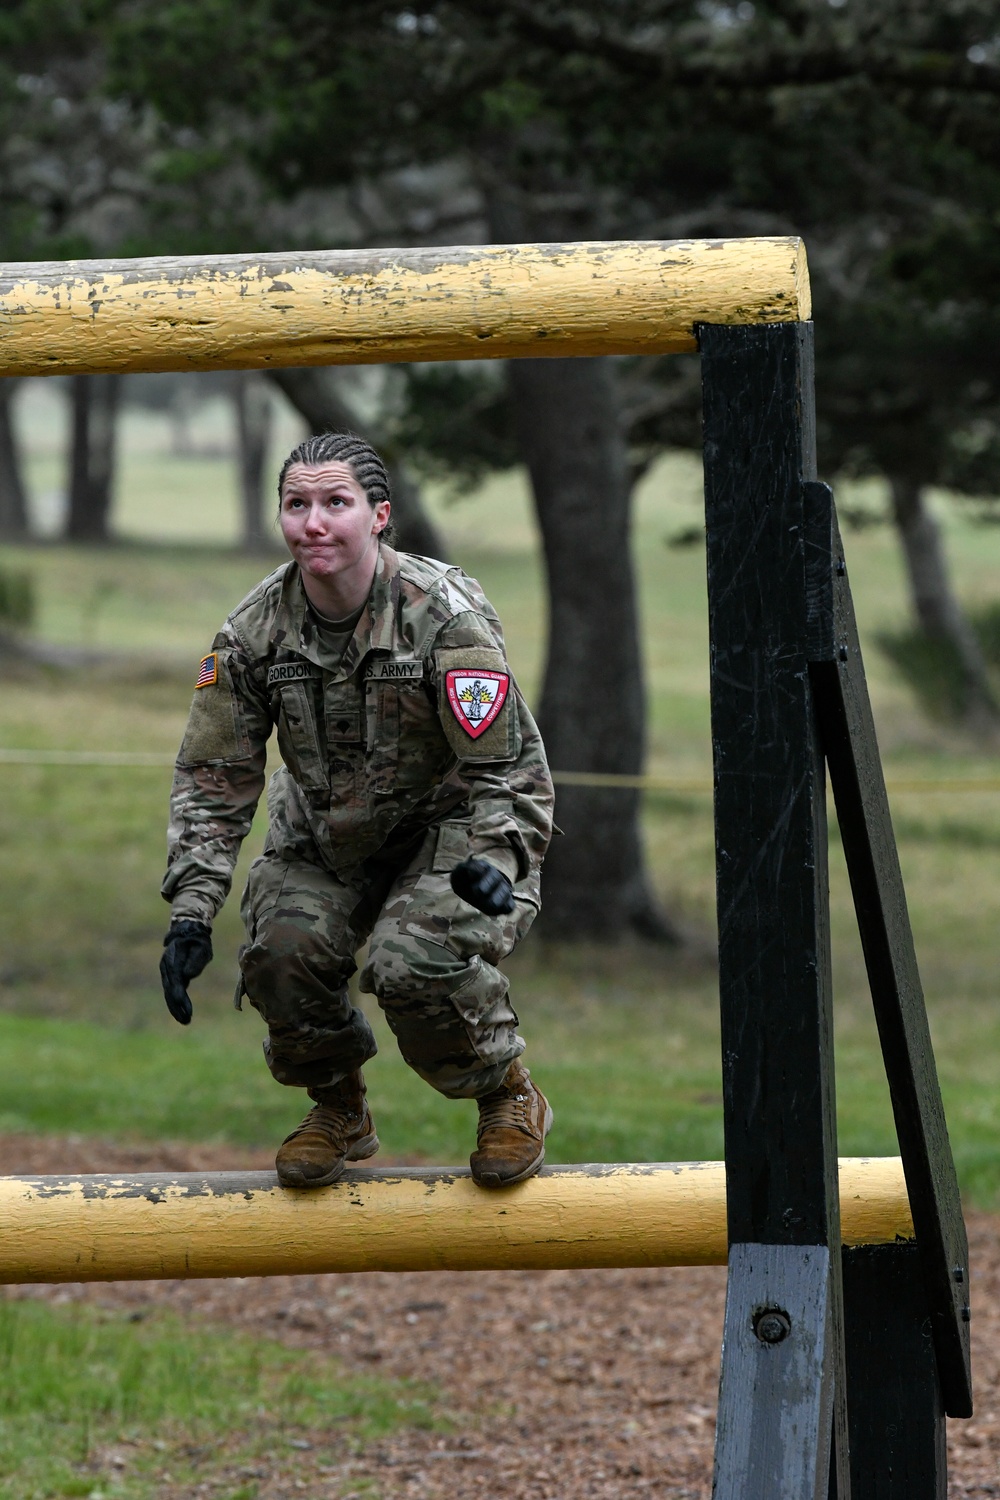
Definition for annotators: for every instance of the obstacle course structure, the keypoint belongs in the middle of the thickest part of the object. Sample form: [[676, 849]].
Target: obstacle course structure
[[843, 1347], [161, 1226]]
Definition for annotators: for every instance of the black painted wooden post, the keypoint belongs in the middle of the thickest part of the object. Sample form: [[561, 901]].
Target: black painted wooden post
[[788, 689], [782, 1367], [895, 1411]]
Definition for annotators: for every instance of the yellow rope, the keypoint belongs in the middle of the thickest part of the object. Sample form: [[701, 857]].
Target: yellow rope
[[678, 784], [84, 758]]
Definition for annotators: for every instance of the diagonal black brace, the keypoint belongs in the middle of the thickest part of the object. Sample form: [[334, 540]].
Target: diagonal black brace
[[847, 732]]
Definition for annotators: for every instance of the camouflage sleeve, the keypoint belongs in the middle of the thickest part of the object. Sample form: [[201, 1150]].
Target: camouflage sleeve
[[501, 758], [218, 779]]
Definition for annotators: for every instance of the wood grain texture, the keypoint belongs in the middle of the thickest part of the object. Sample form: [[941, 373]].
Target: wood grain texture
[[379, 306], [848, 732], [896, 1419], [785, 1453], [775, 981], [770, 802], [155, 1226]]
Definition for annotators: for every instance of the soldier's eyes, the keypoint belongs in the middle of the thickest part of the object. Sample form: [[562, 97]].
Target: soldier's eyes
[[293, 502]]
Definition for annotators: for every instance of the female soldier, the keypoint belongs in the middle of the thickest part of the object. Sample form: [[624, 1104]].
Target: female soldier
[[413, 808]]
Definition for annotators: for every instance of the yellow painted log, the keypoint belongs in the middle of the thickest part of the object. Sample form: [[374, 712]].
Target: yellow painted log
[[249, 312], [242, 1224]]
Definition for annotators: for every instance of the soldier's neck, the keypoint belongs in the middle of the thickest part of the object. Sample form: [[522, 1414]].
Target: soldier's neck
[[344, 593]]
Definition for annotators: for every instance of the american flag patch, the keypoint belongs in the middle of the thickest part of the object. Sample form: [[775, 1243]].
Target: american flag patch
[[208, 672]]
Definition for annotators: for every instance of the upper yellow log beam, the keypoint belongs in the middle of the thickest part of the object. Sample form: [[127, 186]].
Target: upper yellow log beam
[[243, 1224], [219, 312]]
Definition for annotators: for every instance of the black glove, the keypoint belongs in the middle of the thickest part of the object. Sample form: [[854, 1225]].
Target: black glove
[[483, 886], [187, 949]]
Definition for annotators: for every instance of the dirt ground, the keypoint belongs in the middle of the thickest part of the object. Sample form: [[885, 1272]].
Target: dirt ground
[[586, 1383]]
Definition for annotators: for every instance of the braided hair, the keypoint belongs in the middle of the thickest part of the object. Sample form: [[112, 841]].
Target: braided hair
[[346, 447]]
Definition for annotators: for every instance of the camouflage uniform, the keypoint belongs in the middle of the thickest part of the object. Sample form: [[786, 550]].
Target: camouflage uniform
[[388, 782]]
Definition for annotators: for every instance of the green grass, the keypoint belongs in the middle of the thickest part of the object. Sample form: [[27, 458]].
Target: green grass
[[932, 667], [626, 1042], [210, 1083], [95, 1402]]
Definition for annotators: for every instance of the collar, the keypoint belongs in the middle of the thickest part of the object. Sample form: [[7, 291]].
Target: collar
[[375, 631]]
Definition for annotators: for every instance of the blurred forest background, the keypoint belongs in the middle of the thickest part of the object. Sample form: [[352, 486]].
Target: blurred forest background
[[136, 511]]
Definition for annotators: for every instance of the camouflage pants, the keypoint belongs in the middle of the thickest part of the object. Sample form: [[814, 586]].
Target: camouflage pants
[[431, 963]]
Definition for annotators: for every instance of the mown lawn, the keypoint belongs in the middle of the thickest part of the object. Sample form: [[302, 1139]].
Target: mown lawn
[[98, 1402]]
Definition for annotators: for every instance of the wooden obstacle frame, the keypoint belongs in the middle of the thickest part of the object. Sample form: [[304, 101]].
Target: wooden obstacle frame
[[847, 1315]]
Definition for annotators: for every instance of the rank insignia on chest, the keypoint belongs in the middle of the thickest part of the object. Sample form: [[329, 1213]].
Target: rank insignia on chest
[[475, 698], [208, 670]]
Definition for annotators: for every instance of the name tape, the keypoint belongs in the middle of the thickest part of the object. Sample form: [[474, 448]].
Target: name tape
[[395, 671], [291, 671], [376, 671]]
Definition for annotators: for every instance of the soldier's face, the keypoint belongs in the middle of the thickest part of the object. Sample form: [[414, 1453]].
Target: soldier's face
[[326, 519]]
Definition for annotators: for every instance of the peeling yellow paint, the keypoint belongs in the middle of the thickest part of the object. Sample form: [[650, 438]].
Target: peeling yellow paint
[[379, 306], [239, 1224]]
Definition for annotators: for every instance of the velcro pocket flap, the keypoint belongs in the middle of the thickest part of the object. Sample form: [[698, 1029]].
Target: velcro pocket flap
[[477, 703], [452, 847], [299, 742]]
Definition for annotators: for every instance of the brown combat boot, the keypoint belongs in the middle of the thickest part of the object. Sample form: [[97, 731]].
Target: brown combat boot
[[338, 1129], [513, 1123]]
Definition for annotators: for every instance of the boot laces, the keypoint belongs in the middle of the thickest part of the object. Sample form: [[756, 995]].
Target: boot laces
[[331, 1121], [504, 1111]]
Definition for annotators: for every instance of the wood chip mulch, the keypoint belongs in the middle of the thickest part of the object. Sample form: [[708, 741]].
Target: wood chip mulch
[[565, 1383]]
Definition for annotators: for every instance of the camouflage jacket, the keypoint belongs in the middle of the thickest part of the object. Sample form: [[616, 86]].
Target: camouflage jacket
[[419, 721]]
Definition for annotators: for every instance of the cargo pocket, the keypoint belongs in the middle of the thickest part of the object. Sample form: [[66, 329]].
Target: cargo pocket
[[382, 715], [345, 739], [490, 1021], [299, 741], [423, 754], [452, 846]]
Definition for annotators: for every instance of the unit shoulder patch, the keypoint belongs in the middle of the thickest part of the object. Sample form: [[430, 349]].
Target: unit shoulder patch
[[475, 697], [477, 703], [208, 670]]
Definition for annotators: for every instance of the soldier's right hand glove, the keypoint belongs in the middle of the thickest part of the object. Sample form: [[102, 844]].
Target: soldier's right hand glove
[[483, 886], [187, 948]]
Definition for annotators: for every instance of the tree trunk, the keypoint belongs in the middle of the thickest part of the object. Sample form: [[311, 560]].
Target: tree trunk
[[13, 500], [592, 713], [314, 395], [935, 606], [92, 456], [252, 404], [182, 406]]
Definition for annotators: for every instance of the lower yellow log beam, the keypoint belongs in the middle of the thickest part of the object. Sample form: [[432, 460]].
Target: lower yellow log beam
[[217, 312], [242, 1224]]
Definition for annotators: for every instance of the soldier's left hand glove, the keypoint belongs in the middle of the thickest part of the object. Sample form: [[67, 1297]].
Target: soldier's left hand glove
[[187, 948], [483, 886]]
